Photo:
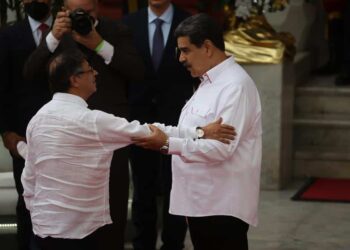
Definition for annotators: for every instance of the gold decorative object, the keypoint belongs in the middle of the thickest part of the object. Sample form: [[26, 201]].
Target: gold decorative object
[[255, 41]]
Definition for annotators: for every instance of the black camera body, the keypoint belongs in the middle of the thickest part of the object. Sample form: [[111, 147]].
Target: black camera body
[[81, 21]]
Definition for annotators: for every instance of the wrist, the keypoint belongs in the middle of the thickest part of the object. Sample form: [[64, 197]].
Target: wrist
[[99, 46], [200, 132], [165, 148]]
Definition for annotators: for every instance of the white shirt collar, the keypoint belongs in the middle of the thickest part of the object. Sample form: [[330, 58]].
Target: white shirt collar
[[34, 24], [66, 97], [167, 16], [214, 72]]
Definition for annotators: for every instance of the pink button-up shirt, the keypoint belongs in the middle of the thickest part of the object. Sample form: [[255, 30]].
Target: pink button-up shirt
[[209, 177]]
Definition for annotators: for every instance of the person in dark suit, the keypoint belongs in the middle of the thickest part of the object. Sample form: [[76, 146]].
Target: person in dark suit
[[159, 97], [20, 99], [343, 78], [109, 50]]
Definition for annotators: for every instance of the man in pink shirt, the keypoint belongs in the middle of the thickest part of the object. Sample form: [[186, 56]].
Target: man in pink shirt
[[215, 185]]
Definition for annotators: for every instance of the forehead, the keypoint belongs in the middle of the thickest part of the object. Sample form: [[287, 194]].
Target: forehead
[[85, 4], [85, 64], [183, 41], [40, 1]]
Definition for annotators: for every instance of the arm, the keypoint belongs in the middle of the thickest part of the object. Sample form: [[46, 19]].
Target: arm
[[115, 132], [215, 131], [117, 51], [7, 99], [28, 179], [233, 111]]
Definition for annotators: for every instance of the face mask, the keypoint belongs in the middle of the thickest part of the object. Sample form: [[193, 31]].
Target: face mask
[[37, 10]]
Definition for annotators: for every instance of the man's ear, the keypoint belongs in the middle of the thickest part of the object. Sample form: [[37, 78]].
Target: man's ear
[[209, 47], [74, 83]]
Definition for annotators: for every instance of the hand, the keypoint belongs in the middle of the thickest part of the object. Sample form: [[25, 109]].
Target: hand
[[220, 132], [90, 41], [62, 25], [155, 141], [10, 140]]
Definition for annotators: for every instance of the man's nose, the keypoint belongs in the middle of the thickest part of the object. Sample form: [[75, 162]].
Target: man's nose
[[182, 58]]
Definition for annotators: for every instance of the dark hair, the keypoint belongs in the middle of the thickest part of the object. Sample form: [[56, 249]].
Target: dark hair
[[62, 67], [199, 28]]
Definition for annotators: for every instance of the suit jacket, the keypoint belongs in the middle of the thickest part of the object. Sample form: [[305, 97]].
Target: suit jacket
[[162, 94], [112, 79], [20, 99]]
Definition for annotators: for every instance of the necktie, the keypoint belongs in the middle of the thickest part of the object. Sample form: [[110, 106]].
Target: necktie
[[43, 28], [158, 43]]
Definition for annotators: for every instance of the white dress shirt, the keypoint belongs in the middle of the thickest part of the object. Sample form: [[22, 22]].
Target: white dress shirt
[[34, 25], [66, 174], [167, 18], [209, 177]]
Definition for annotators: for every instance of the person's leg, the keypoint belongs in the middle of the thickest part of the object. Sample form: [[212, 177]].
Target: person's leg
[[25, 234], [218, 232], [50, 243], [118, 200], [173, 227], [145, 169], [98, 239], [344, 76]]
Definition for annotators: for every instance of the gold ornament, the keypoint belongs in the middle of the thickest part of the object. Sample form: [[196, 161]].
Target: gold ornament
[[255, 41]]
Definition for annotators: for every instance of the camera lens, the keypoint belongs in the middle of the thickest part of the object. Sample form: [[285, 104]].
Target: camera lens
[[81, 21]]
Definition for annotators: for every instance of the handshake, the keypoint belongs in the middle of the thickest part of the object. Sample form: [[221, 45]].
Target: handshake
[[159, 141]]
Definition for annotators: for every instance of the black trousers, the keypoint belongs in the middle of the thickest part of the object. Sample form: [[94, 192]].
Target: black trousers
[[347, 37], [114, 237], [94, 241], [25, 235], [218, 233], [151, 173]]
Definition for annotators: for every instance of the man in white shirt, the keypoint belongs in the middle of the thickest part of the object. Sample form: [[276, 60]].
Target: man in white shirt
[[68, 157], [109, 48], [215, 185]]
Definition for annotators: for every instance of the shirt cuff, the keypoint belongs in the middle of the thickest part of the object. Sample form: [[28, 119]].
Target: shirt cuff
[[193, 133], [175, 146], [106, 52], [52, 42], [22, 149]]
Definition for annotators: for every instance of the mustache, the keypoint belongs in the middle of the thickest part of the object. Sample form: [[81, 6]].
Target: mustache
[[186, 64]]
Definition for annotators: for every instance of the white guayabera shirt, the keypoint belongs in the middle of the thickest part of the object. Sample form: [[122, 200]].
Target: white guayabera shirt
[[66, 174], [209, 177], [68, 157]]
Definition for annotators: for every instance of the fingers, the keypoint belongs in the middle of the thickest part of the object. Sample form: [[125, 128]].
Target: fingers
[[218, 121], [225, 141], [226, 126], [62, 24]]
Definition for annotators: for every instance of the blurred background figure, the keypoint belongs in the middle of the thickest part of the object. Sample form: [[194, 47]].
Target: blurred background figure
[[159, 97], [21, 98]]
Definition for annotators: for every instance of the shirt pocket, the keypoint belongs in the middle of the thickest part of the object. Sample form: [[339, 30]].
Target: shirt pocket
[[202, 114]]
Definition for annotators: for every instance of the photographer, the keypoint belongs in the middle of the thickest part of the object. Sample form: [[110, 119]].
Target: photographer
[[108, 47]]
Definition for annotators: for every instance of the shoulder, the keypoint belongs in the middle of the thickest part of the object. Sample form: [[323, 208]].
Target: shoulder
[[13, 29], [112, 28], [180, 13], [134, 18]]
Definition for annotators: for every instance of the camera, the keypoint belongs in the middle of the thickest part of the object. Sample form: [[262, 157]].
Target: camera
[[81, 21]]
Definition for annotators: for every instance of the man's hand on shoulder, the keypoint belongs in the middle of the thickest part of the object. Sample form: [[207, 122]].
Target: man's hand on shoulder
[[220, 132]]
